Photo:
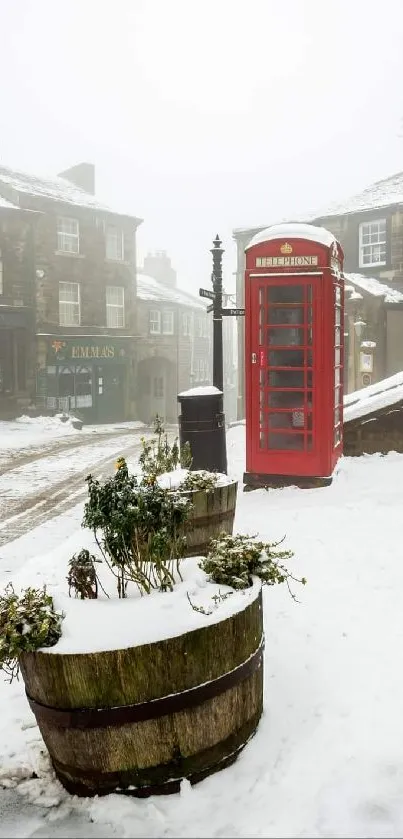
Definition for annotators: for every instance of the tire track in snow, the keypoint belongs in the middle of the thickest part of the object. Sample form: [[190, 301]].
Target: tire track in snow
[[58, 498], [13, 460]]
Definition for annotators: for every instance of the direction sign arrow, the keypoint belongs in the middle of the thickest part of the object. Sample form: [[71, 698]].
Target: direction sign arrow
[[204, 292], [233, 312], [209, 308]]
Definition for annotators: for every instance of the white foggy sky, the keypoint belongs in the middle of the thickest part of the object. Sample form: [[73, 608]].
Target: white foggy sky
[[205, 116]]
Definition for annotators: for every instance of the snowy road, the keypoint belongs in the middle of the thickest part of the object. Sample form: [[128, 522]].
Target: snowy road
[[48, 485]]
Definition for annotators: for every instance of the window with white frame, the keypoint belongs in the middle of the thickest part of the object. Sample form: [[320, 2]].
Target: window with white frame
[[69, 304], [158, 387], [201, 369], [199, 327], [186, 324], [168, 322], [1, 272], [115, 248], [115, 307], [155, 322], [372, 243], [68, 235]]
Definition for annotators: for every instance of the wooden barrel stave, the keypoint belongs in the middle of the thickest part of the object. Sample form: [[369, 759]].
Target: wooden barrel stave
[[149, 754], [213, 513]]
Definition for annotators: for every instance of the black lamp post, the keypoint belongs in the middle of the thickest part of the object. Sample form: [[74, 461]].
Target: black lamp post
[[218, 374]]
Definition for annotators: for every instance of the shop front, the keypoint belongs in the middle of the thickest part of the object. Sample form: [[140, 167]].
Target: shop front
[[86, 375]]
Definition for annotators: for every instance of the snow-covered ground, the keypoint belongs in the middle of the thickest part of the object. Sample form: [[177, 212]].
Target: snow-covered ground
[[326, 761], [27, 433], [34, 477]]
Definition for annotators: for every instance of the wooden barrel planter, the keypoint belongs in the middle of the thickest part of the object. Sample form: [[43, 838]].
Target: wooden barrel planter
[[139, 720], [213, 513]]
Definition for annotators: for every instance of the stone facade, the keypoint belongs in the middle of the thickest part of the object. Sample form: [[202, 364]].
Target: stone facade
[[346, 229], [384, 320], [84, 359], [17, 299], [175, 349]]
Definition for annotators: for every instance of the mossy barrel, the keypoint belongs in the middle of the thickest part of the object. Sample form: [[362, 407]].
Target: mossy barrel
[[139, 720], [213, 513]]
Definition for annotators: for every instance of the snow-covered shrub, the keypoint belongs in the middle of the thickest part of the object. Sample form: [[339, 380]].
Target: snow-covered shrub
[[82, 576], [139, 528], [235, 560], [159, 456], [27, 622], [200, 480]]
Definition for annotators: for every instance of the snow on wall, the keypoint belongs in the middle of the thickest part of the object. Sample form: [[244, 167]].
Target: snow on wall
[[362, 402], [375, 287], [7, 205], [293, 231], [149, 289]]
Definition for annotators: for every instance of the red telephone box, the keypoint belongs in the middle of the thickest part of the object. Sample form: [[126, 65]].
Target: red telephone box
[[294, 341]]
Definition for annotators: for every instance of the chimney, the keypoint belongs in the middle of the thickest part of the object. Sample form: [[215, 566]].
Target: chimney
[[158, 265], [82, 175]]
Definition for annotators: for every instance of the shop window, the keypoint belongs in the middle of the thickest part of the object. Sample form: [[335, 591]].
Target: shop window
[[69, 304], [68, 235], [21, 361], [6, 362], [158, 387], [115, 307], [75, 387], [115, 248]]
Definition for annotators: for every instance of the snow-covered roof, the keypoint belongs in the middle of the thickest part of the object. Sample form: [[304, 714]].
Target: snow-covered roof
[[375, 287], [293, 231], [383, 394], [149, 289], [381, 194], [53, 188]]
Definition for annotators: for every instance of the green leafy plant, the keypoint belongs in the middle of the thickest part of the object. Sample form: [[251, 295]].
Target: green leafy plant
[[82, 576], [200, 480], [235, 560], [27, 622], [159, 456], [139, 528]]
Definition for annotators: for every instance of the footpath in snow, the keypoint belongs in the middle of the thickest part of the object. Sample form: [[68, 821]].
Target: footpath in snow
[[327, 758]]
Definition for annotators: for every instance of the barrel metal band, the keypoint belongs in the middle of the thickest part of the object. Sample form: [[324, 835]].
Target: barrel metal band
[[217, 518], [86, 718]]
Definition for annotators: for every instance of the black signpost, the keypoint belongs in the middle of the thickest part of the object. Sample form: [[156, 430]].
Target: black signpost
[[216, 307]]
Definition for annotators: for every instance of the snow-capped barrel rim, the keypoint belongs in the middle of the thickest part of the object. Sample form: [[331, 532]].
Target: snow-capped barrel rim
[[294, 231]]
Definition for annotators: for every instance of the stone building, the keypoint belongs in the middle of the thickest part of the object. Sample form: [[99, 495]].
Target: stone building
[[369, 227], [175, 348], [77, 266], [17, 310]]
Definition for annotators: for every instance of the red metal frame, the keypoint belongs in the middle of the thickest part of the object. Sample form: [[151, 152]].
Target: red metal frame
[[293, 359]]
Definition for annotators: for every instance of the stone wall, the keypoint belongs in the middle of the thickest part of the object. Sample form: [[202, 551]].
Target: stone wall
[[382, 433], [89, 268]]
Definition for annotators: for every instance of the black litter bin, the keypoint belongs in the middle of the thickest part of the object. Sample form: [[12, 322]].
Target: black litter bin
[[202, 425]]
